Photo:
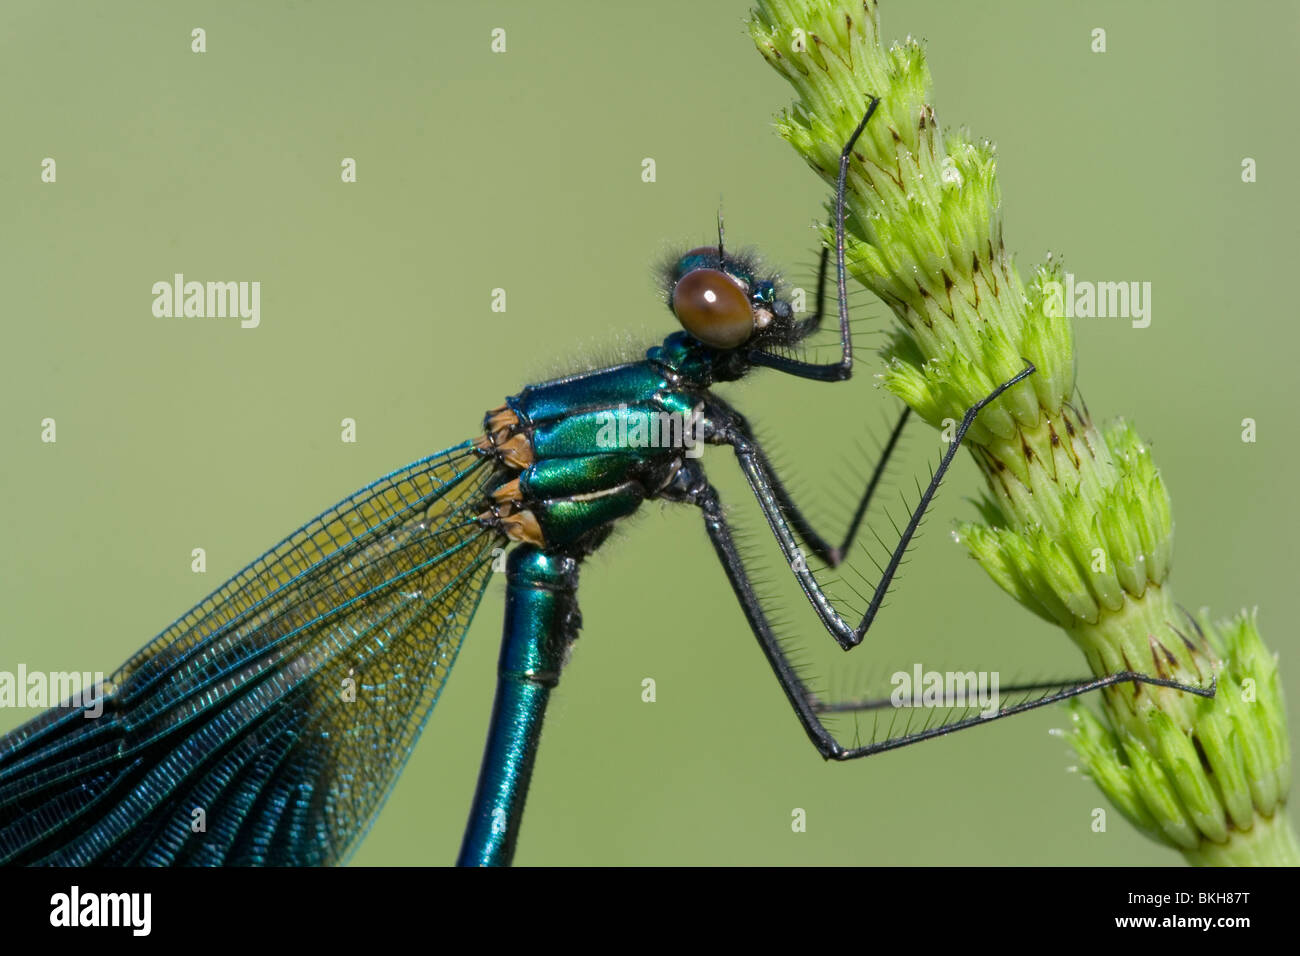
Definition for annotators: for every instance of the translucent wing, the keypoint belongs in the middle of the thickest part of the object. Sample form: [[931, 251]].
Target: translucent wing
[[279, 711]]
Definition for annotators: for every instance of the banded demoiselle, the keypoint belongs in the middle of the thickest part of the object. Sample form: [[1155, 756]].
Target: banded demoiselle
[[283, 707]]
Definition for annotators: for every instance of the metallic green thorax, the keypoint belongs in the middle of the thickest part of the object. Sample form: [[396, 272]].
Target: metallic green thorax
[[600, 443]]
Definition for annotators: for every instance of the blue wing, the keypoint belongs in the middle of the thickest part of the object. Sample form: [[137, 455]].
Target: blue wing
[[275, 716]]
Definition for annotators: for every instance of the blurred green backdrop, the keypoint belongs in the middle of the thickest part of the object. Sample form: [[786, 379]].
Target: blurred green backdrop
[[522, 171]]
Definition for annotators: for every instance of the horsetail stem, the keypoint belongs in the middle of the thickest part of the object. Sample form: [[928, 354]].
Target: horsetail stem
[[1077, 524]]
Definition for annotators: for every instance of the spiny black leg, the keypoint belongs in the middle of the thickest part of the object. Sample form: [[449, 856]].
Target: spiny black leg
[[806, 706], [841, 273], [1062, 689], [1065, 693], [834, 371], [751, 463], [927, 496], [820, 547], [706, 497]]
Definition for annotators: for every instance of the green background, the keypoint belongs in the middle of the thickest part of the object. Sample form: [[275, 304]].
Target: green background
[[522, 171]]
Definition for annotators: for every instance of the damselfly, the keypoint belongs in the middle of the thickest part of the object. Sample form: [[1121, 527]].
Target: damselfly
[[281, 709]]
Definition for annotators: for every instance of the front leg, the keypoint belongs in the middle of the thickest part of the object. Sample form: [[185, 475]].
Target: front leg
[[841, 370]]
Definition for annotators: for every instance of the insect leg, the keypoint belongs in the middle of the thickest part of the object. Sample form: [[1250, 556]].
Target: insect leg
[[809, 709], [753, 463], [799, 523], [705, 496], [1057, 692], [831, 371]]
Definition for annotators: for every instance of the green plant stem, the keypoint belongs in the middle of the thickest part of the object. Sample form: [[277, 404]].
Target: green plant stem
[[1077, 524]]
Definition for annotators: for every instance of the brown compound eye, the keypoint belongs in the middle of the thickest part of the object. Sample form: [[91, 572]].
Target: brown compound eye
[[711, 307]]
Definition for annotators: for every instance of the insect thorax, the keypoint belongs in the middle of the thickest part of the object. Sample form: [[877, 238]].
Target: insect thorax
[[576, 454]]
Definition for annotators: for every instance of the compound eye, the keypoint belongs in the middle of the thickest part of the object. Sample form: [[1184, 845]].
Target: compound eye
[[711, 307]]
